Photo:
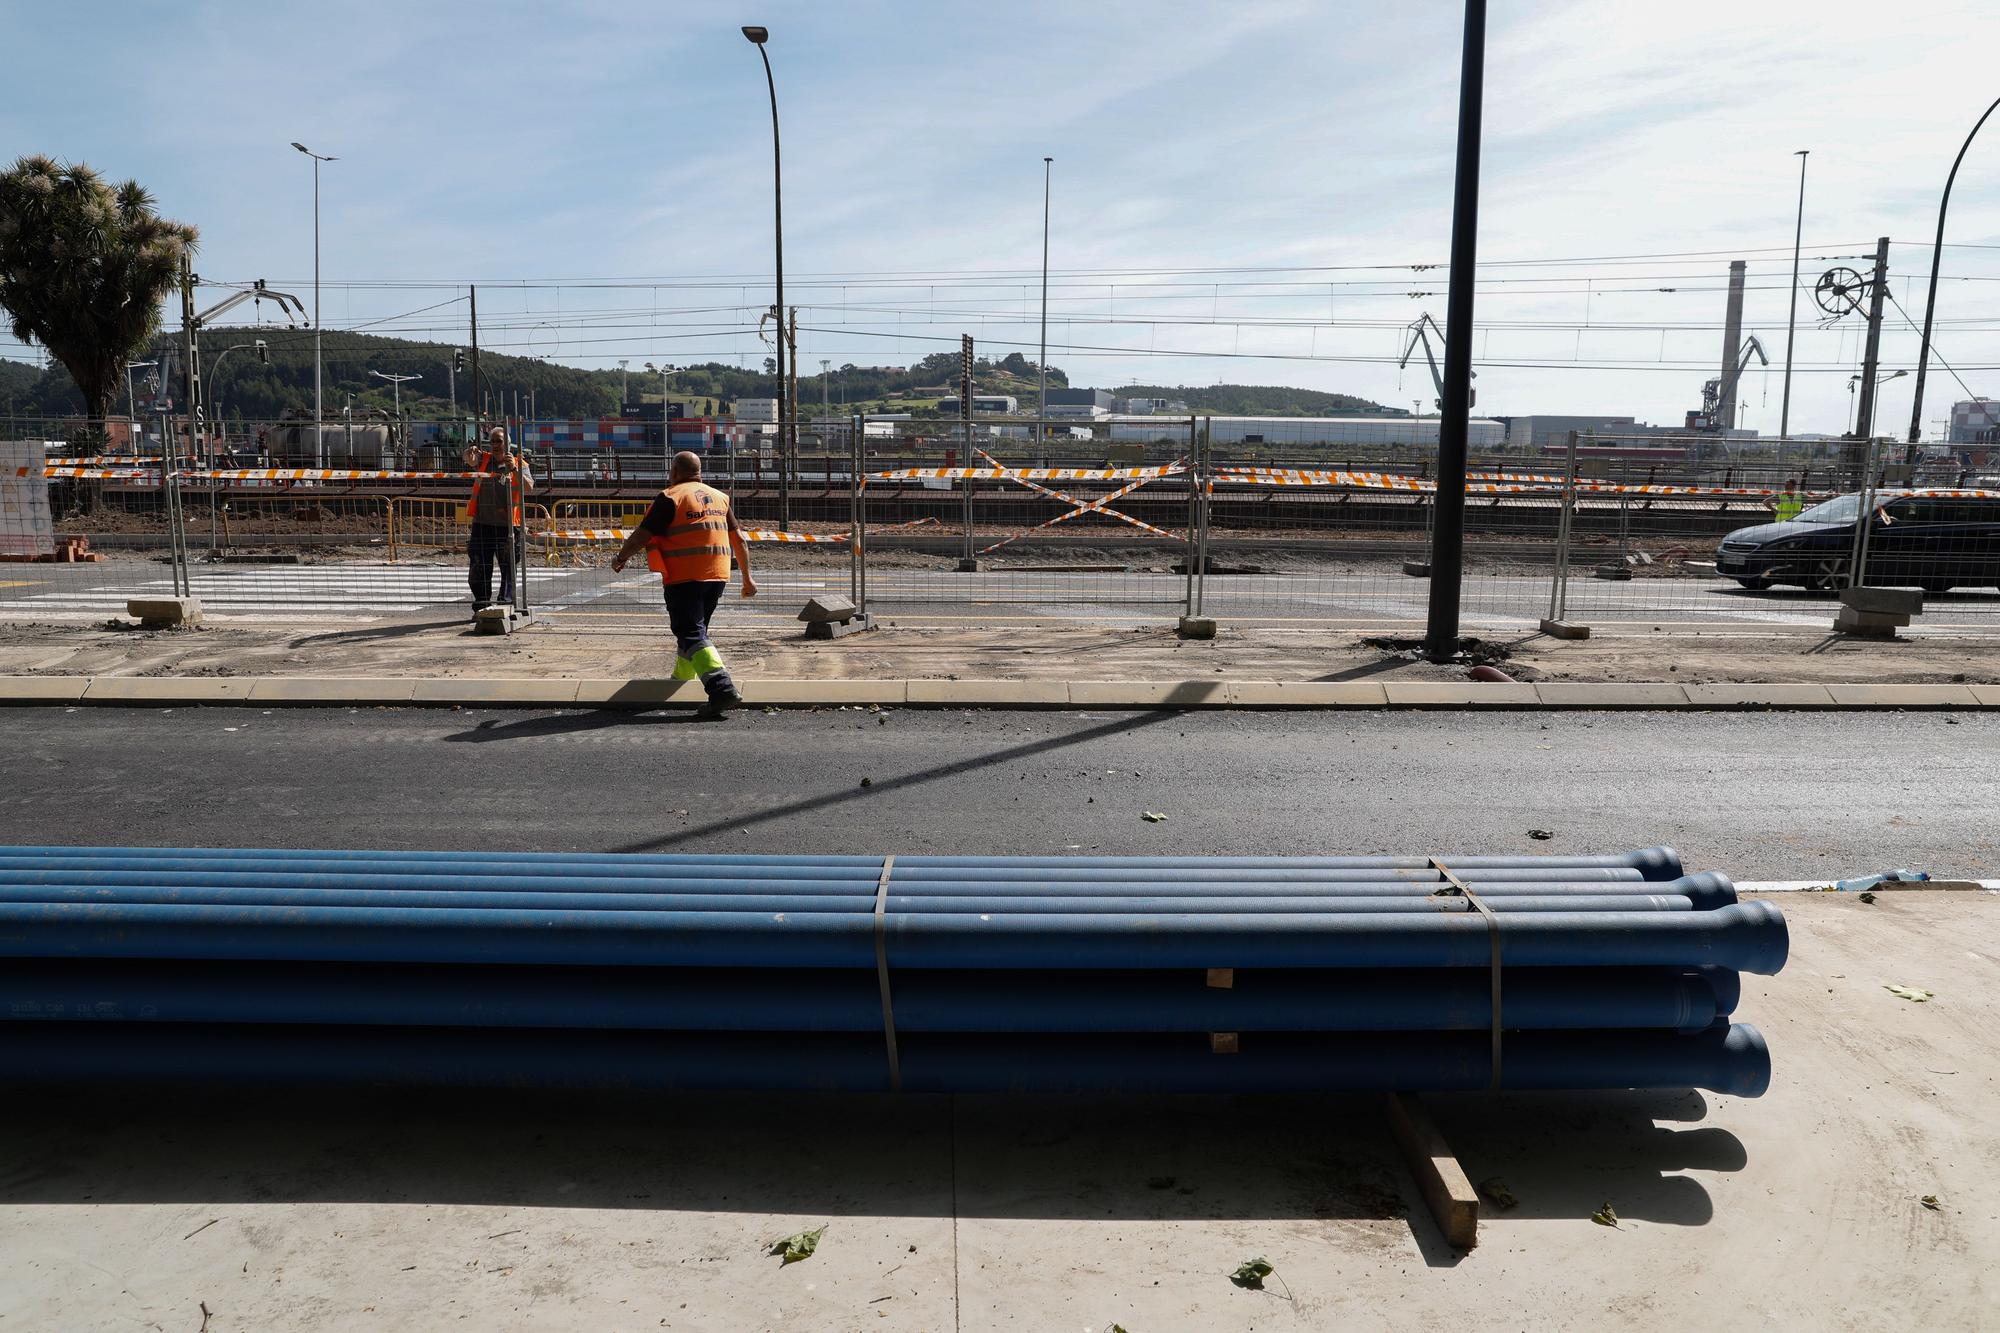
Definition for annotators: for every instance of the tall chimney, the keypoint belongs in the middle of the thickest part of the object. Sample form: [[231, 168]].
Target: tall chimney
[[1732, 343]]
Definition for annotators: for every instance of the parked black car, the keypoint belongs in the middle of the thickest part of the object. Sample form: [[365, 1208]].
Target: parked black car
[[1933, 541]]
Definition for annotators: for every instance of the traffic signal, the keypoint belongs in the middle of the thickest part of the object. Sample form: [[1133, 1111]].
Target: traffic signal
[[263, 351], [458, 358]]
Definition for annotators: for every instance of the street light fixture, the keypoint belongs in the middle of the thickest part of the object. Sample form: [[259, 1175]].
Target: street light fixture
[[787, 439], [1930, 303], [1792, 322], [319, 439]]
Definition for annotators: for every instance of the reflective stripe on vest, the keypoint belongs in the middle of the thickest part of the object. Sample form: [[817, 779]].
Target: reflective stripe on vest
[[513, 491], [695, 547]]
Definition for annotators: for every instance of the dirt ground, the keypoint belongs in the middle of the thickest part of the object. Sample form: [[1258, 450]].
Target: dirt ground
[[1804, 1209], [427, 646]]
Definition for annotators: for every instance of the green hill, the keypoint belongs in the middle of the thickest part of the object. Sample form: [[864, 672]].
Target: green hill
[[251, 390]]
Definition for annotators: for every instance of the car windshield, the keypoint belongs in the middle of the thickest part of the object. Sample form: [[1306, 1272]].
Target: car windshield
[[1840, 509]]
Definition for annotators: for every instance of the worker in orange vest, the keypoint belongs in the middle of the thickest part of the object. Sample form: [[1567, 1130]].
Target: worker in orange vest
[[494, 514], [689, 535]]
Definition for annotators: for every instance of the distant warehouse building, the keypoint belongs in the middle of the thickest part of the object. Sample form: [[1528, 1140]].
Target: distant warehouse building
[[1091, 403], [1536, 431], [1307, 432], [1975, 421]]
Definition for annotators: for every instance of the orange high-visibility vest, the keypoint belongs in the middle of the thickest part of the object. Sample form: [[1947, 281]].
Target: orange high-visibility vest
[[513, 489], [695, 547]]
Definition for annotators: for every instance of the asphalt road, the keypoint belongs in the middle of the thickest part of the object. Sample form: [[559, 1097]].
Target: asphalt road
[[1769, 796]]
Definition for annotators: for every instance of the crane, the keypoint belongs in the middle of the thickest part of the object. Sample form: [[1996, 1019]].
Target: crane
[[1717, 390], [1420, 331]]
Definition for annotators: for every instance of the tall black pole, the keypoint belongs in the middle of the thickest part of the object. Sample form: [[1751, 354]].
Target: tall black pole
[[1792, 320], [787, 439], [1448, 540], [1930, 303]]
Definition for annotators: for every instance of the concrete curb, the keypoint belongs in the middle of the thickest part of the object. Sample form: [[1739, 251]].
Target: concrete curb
[[532, 692]]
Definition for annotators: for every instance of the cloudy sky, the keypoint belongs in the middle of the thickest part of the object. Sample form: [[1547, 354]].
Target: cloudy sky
[[1250, 192]]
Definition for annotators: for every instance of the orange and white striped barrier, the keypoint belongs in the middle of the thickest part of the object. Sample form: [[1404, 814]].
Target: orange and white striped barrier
[[999, 473]]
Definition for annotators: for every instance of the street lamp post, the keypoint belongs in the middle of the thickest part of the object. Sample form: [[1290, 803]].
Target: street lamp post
[[131, 394], [1042, 404], [215, 369], [1930, 303], [319, 438], [787, 438], [1792, 323], [1875, 408], [398, 381]]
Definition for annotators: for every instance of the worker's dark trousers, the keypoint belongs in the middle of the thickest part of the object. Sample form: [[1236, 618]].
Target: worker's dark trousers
[[490, 541], [689, 606]]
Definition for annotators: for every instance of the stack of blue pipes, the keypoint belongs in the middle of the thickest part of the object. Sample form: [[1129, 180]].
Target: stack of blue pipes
[[919, 973]]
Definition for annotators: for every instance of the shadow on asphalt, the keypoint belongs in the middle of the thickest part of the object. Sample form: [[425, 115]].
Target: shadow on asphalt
[[1216, 1158], [567, 724]]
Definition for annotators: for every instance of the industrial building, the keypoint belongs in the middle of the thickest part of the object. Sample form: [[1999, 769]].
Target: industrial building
[[1974, 421], [1091, 403], [1535, 431], [1482, 433]]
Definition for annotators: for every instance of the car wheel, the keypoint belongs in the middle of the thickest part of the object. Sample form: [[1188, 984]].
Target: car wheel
[[1755, 585]]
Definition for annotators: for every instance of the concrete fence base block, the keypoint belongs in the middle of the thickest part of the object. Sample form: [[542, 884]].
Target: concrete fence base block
[[1565, 629], [164, 612], [1613, 573], [494, 620], [825, 608], [1196, 627], [1417, 569], [1905, 602], [840, 629], [1849, 619], [968, 566]]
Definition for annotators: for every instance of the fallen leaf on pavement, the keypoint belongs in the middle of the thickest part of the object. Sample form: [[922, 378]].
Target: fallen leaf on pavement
[[1929, 1201], [1252, 1273], [1540, 834], [1153, 817], [1914, 994], [1606, 1216], [795, 1248], [1496, 1189]]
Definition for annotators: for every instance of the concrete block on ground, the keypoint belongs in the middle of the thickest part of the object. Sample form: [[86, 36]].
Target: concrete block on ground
[[1600, 694], [1848, 618], [358, 691], [1564, 629], [493, 620], [1196, 627], [42, 689], [1460, 694], [164, 612], [827, 607], [169, 690], [1614, 573], [989, 693], [1903, 696], [839, 629], [482, 693], [638, 692], [1148, 693], [1305, 694], [1759, 696], [820, 693], [1901, 601], [1417, 569]]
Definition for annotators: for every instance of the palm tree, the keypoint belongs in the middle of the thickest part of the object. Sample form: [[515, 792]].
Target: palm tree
[[83, 269]]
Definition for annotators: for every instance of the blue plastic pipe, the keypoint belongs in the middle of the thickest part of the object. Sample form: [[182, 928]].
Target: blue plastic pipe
[[1724, 1058], [772, 903], [1748, 936], [1651, 862], [311, 871], [814, 1000]]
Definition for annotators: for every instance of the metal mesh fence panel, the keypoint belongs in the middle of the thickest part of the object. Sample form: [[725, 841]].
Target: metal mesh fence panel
[[1007, 519]]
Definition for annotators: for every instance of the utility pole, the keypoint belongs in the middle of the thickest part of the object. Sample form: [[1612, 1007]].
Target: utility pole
[[478, 385], [1732, 337], [1448, 543], [789, 390], [1042, 403], [1792, 323], [967, 563], [1878, 287]]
